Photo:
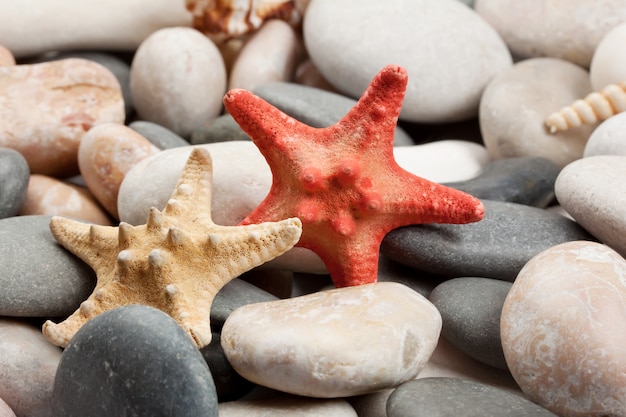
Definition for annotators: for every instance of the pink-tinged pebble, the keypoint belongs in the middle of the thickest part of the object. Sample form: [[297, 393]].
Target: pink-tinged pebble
[[45, 109], [106, 154], [53, 197], [5, 410], [6, 57]]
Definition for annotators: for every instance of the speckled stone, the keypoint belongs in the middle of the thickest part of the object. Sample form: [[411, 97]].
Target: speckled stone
[[608, 137], [470, 309], [159, 136], [443, 397], [14, 175], [51, 284], [287, 406], [562, 329], [496, 247], [134, 360]]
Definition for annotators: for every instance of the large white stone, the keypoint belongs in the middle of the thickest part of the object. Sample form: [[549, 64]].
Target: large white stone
[[608, 65], [449, 51], [334, 343], [609, 138]]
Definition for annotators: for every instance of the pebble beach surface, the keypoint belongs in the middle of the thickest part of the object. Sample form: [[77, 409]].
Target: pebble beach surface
[[519, 314]]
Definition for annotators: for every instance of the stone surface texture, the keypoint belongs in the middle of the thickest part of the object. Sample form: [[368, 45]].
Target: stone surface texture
[[14, 176]]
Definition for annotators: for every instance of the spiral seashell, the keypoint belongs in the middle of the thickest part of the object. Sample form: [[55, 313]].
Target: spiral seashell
[[596, 106]]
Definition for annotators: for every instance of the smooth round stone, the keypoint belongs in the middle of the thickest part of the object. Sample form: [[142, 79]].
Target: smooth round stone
[[106, 154], [517, 102], [524, 180], [449, 51], [442, 397], [470, 308], [496, 247], [14, 175], [306, 345], [102, 24], [5, 410], [287, 406], [608, 138], [49, 196], [53, 105], [562, 330], [535, 28], [308, 74], [593, 191], [315, 107], [236, 293], [28, 363], [6, 57], [270, 55], [159, 136], [38, 277], [221, 129], [608, 65], [178, 79], [134, 360]]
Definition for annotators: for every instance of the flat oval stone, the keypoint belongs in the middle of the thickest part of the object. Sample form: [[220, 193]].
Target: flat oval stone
[[134, 360], [306, 345], [470, 309], [592, 191], [221, 129], [350, 41], [38, 277], [178, 79], [442, 397], [287, 406], [159, 136], [14, 175], [562, 330], [52, 105], [524, 180], [608, 65], [28, 363], [496, 247], [608, 137], [516, 103]]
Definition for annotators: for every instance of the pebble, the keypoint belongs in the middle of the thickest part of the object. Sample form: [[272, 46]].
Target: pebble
[[592, 191], [516, 103], [608, 65], [570, 32], [442, 397], [38, 277], [105, 155], [159, 136], [562, 330], [315, 107], [395, 328], [5, 410], [236, 293], [527, 180], [287, 406], [178, 79], [496, 247], [49, 196], [350, 41], [14, 174], [134, 360], [28, 364], [53, 105], [608, 137], [6, 57], [470, 309], [270, 55], [99, 25], [307, 74], [221, 129]]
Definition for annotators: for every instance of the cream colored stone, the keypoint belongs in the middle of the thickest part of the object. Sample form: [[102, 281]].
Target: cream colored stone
[[335, 343], [5, 410], [609, 138], [52, 197], [608, 65], [286, 406], [563, 332], [6, 57], [45, 109], [106, 154]]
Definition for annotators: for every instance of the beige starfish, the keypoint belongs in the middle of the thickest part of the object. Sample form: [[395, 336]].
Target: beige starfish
[[176, 262]]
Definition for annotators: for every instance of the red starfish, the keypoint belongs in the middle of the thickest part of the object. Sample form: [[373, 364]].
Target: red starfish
[[342, 181]]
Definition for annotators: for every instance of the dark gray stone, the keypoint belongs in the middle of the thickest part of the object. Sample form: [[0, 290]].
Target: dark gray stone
[[221, 129], [133, 361], [445, 397], [470, 309], [418, 281], [38, 277], [235, 294], [496, 247], [524, 180], [158, 135], [14, 176]]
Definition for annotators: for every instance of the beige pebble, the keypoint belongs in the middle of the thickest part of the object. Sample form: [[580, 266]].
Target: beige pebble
[[53, 197], [608, 65], [45, 110], [562, 329], [287, 406], [6, 57], [106, 154], [608, 138], [5, 410], [270, 55]]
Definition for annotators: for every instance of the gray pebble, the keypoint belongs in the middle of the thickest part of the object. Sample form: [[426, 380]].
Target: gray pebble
[[158, 135], [222, 129], [235, 294], [14, 176]]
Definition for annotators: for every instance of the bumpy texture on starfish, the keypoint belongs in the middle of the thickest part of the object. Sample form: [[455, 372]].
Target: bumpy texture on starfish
[[343, 181], [176, 262]]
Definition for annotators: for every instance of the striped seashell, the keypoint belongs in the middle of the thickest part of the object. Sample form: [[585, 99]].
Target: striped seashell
[[596, 106]]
